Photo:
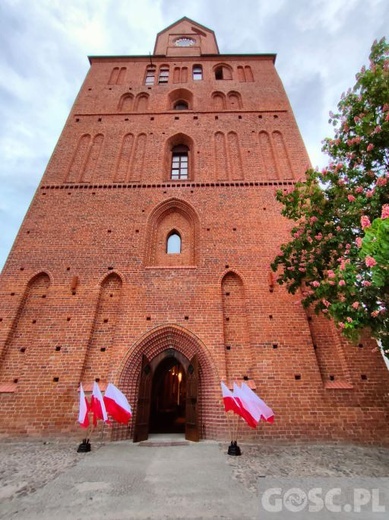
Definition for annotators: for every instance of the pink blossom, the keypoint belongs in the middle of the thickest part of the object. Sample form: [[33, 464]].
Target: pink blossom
[[342, 283], [315, 283], [319, 236], [370, 147], [366, 283], [330, 274], [313, 219], [350, 320], [355, 305], [375, 313], [385, 108], [302, 269], [358, 189], [358, 241], [326, 303], [370, 193], [341, 325], [387, 117], [338, 228], [385, 211], [365, 222], [370, 261], [381, 181], [351, 198], [377, 129]]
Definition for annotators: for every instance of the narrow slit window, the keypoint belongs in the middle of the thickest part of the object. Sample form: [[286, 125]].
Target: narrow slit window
[[173, 244], [180, 163]]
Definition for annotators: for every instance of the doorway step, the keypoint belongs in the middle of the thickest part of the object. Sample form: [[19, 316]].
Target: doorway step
[[165, 439]]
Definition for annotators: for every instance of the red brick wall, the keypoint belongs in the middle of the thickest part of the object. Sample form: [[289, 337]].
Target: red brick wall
[[88, 287]]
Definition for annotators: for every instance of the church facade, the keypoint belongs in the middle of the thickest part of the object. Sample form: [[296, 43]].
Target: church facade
[[144, 260]]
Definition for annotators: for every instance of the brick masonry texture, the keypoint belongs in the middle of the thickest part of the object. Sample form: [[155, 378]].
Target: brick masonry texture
[[88, 288]]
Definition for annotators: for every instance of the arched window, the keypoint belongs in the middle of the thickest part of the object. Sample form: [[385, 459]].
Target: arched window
[[163, 75], [173, 243], [223, 72], [181, 105], [150, 76], [197, 72], [180, 161]]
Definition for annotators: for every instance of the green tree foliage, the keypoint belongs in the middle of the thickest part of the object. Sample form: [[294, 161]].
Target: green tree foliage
[[339, 251]]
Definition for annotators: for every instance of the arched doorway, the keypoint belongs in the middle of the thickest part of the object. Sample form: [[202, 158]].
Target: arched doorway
[[168, 398]]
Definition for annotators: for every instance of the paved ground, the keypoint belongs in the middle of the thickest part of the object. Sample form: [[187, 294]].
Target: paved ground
[[123, 481]]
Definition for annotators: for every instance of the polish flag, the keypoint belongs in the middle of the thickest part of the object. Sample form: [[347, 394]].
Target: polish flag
[[97, 405], [246, 409], [259, 407], [117, 405], [83, 418], [229, 400]]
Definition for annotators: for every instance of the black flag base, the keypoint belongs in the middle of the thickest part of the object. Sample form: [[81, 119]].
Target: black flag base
[[233, 449], [84, 446]]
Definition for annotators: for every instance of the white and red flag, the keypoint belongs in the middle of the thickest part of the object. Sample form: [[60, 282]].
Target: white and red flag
[[229, 401], [259, 407], [117, 405], [97, 405], [248, 410], [83, 418]]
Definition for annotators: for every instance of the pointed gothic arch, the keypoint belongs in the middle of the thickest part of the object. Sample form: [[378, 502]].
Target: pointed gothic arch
[[173, 215]]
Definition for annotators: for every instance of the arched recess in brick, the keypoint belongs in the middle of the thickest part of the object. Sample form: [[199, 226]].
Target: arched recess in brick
[[173, 141], [79, 158], [92, 158], [180, 94], [176, 341], [27, 331], [235, 156], [221, 162], [267, 155], [124, 159], [172, 215], [241, 74], [222, 71], [329, 351], [136, 167], [234, 100], [219, 101], [281, 153], [236, 328], [126, 103], [248, 73], [114, 76], [122, 75], [142, 102], [97, 363]]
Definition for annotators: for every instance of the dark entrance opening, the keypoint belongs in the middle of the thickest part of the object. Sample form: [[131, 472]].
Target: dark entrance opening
[[168, 398]]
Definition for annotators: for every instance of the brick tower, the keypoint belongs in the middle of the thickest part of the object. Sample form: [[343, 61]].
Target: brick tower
[[144, 260]]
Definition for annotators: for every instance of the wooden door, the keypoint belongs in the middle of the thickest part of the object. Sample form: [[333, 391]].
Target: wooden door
[[141, 431], [192, 432]]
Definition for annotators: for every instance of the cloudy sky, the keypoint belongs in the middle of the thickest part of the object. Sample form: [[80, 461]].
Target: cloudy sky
[[44, 44]]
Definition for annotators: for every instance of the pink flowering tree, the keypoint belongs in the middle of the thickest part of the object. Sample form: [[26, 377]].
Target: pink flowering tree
[[338, 255]]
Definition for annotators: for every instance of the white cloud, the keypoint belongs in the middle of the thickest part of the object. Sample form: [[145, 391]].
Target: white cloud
[[320, 45]]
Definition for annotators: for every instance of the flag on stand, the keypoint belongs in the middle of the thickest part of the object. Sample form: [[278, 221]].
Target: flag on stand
[[230, 403], [247, 410], [117, 405], [83, 418], [97, 405], [264, 411]]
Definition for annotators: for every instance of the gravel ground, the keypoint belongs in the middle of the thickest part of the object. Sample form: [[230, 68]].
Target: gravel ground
[[26, 466]]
